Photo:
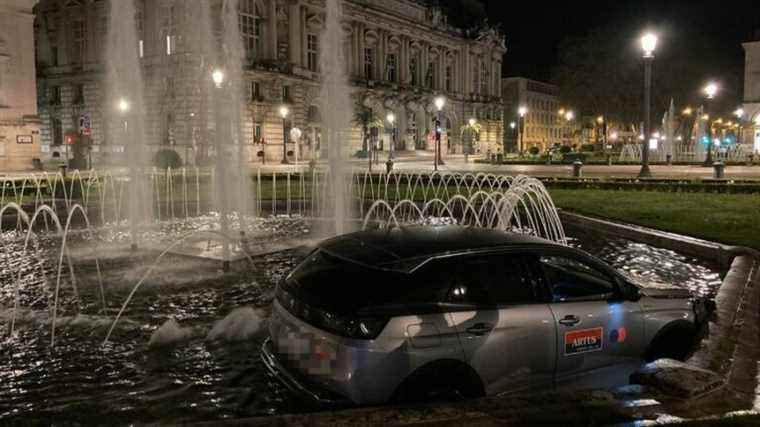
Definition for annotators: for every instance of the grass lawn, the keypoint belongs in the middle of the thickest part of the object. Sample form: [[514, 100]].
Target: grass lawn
[[732, 219]]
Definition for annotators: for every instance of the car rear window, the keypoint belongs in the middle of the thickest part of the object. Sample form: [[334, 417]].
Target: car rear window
[[344, 287]]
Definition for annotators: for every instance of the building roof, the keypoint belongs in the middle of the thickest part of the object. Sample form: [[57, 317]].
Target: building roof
[[392, 247]]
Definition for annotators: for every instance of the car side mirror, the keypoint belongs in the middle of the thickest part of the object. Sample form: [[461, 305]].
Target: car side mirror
[[630, 292]]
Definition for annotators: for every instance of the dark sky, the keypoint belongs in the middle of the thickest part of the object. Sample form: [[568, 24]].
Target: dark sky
[[534, 29]]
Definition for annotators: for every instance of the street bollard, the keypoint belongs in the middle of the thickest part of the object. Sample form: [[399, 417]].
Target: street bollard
[[577, 168], [609, 160], [63, 169], [548, 160], [719, 170], [669, 159], [389, 166]]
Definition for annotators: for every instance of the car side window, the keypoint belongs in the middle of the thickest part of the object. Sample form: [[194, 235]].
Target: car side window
[[493, 280], [573, 280]]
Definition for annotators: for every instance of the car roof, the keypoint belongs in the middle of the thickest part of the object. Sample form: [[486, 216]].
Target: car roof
[[392, 247]]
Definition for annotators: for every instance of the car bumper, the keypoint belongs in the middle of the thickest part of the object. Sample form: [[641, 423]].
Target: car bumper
[[297, 385]]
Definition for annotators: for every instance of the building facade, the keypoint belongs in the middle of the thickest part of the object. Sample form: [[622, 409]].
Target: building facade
[[19, 125], [400, 56], [751, 105], [542, 125]]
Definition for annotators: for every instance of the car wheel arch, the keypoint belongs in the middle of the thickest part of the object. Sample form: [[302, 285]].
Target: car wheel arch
[[679, 329], [465, 375]]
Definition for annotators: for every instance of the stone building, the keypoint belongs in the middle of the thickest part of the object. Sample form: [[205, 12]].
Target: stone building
[[542, 126], [401, 54], [19, 125], [751, 131]]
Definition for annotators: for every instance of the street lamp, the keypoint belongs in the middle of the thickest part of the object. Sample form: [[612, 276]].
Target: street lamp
[[218, 77], [710, 90], [648, 45], [124, 106], [522, 111], [439, 102], [284, 112], [391, 118], [739, 113]]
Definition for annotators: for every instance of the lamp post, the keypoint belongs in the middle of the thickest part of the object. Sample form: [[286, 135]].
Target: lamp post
[[295, 136], [284, 112], [522, 111], [440, 102], [569, 117], [648, 45], [710, 91], [391, 118], [739, 113]]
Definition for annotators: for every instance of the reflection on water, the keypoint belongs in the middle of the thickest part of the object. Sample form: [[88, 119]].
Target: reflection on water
[[127, 381]]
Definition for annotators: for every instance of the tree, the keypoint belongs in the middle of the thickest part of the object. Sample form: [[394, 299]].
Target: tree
[[367, 119], [469, 135]]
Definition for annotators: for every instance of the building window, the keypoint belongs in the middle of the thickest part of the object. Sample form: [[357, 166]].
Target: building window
[[413, 71], [449, 79], [171, 44], [79, 37], [430, 77], [257, 133], [255, 91], [55, 95], [285, 93], [57, 132], [369, 63], [250, 27], [141, 48], [79, 94], [483, 78], [312, 51], [390, 64]]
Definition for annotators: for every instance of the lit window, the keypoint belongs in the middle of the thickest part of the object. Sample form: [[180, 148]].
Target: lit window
[[171, 44], [250, 27], [312, 51], [391, 67], [141, 48], [369, 63]]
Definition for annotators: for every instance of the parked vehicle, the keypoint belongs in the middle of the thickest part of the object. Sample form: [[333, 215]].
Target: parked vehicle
[[422, 312]]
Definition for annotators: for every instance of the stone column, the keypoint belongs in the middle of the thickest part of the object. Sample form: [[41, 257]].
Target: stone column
[[381, 53], [294, 33]]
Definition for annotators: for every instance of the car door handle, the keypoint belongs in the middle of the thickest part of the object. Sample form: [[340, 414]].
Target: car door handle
[[480, 329], [570, 320]]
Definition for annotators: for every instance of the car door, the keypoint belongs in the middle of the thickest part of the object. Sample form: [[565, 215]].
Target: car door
[[596, 326], [505, 326]]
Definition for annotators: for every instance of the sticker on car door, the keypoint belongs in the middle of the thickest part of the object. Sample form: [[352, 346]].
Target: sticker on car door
[[583, 341]]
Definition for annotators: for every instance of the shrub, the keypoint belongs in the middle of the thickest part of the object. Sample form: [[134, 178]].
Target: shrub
[[362, 154], [587, 148], [167, 158], [534, 150], [565, 149]]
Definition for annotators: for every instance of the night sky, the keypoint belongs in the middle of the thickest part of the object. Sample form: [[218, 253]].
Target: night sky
[[534, 30]]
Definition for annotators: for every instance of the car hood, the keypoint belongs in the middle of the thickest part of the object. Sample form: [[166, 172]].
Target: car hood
[[670, 292]]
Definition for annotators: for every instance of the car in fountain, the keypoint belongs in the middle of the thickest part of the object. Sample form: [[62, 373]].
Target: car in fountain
[[415, 313]]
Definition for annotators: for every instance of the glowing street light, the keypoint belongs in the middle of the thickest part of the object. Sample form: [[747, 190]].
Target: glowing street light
[[687, 111], [648, 45], [739, 113], [569, 116], [123, 106], [472, 122], [512, 125], [522, 111], [711, 90], [218, 77]]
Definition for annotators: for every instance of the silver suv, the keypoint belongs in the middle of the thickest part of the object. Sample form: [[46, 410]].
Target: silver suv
[[413, 313]]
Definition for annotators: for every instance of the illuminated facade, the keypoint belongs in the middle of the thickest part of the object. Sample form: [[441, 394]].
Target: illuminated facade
[[751, 107], [401, 55]]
